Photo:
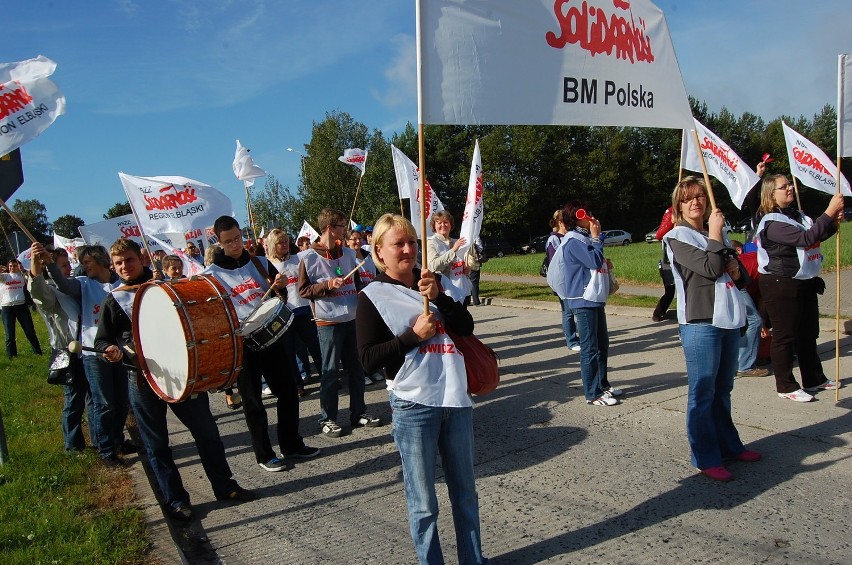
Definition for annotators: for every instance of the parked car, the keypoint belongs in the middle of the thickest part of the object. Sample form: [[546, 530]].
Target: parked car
[[616, 237], [534, 246], [496, 247], [651, 236]]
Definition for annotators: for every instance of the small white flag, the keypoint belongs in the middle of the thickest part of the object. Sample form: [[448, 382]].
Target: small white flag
[[473, 207], [308, 231], [355, 157], [245, 168], [70, 245]]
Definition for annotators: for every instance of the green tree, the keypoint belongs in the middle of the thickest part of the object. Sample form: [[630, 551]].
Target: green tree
[[67, 225], [276, 205], [117, 210], [33, 215]]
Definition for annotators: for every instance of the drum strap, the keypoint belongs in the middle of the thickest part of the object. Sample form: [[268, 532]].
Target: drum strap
[[265, 274]]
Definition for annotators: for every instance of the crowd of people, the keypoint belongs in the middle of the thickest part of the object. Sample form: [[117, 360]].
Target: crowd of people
[[355, 304]]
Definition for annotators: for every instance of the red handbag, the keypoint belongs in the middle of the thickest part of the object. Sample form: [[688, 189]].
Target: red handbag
[[480, 363]]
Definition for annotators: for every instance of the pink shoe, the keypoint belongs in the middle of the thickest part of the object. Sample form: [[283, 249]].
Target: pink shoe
[[748, 456], [718, 473]]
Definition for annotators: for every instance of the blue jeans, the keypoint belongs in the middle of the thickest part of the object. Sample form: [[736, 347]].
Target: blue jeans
[[569, 325], [150, 412], [76, 399], [751, 340], [307, 341], [421, 433], [108, 387], [21, 313], [338, 342], [711, 358], [594, 350]]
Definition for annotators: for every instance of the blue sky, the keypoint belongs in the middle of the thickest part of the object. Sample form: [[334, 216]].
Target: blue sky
[[165, 87]]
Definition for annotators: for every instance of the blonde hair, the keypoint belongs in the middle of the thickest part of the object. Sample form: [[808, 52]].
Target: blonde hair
[[275, 237], [767, 194], [383, 225], [679, 193], [209, 252]]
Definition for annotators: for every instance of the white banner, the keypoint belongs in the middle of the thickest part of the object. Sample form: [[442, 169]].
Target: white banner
[[811, 165], [70, 245], [721, 161], [473, 207], [408, 184], [245, 168], [190, 266], [124, 227], [355, 157], [844, 105], [174, 204], [308, 231], [594, 63], [29, 101]]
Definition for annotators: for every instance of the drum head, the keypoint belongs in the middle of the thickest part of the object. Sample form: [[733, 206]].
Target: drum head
[[162, 342], [258, 320]]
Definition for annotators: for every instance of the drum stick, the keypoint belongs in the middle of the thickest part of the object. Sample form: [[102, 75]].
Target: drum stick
[[259, 304], [358, 266], [77, 347]]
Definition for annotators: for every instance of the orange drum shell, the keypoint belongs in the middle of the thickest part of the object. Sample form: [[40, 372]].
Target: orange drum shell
[[211, 324]]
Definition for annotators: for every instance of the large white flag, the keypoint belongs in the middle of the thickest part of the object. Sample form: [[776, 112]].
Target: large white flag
[[594, 63], [174, 204], [308, 231], [811, 165], [245, 168], [408, 184], [125, 227], [844, 105], [190, 266], [473, 207], [355, 157], [70, 245], [29, 101], [721, 161]]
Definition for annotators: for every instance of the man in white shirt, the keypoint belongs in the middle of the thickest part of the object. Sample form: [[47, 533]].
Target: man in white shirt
[[13, 303]]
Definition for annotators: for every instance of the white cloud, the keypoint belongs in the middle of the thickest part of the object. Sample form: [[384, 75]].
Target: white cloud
[[401, 73]]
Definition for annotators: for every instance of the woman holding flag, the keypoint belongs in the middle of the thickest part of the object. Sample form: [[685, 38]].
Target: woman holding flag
[[789, 260]]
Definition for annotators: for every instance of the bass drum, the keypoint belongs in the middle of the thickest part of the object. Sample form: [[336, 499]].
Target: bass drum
[[185, 335]]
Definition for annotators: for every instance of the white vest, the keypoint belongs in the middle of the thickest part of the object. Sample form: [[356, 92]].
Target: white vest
[[124, 298], [596, 290], [290, 269], [367, 271], [245, 285], [92, 294], [455, 273], [433, 373], [728, 307], [810, 259], [11, 289], [339, 305]]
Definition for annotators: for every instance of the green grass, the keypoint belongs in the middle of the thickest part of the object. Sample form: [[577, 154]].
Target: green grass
[[55, 507], [637, 263]]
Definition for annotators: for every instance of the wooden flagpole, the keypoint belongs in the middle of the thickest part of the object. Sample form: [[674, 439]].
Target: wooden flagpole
[[355, 201], [421, 149], [17, 221], [704, 170], [249, 211]]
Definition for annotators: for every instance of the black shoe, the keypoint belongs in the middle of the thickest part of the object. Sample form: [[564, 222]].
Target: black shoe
[[657, 318], [305, 452], [128, 447], [239, 494], [113, 462], [182, 512]]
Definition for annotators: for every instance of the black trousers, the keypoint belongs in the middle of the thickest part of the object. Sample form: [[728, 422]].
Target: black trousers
[[793, 311]]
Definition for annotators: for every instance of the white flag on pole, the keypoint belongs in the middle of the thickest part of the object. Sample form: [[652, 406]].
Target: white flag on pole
[[594, 63], [844, 105], [29, 101], [70, 245], [174, 204], [355, 157], [721, 161], [308, 231], [473, 207], [811, 165], [408, 184], [245, 168], [190, 266]]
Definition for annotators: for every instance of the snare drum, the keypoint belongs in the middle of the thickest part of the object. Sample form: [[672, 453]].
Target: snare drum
[[266, 325], [185, 335]]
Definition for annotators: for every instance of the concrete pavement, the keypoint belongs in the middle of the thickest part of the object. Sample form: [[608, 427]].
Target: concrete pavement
[[559, 481]]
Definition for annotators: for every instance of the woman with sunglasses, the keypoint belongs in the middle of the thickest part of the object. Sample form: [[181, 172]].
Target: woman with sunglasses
[[789, 260]]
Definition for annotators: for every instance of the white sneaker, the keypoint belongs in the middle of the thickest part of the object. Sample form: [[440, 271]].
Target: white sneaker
[[614, 391], [575, 348], [605, 399], [266, 392], [827, 385], [798, 396]]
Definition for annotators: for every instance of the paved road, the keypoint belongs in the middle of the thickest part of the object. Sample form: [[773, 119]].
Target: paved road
[[559, 481]]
